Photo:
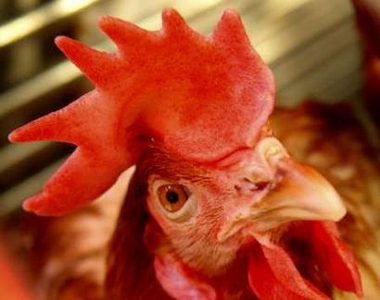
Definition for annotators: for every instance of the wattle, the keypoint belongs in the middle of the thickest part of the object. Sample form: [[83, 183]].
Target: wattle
[[308, 254]]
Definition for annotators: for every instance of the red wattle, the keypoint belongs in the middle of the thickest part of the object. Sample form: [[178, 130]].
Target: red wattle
[[273, 275], [335, 258]]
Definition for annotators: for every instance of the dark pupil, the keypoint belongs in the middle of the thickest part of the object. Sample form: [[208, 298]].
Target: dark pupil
[[172, 197]]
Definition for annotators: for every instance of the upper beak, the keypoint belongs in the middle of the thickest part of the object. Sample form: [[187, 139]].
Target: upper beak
[[295, 192]]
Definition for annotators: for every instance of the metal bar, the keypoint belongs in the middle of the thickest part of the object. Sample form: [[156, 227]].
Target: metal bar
[[39, 18], [13, 197]]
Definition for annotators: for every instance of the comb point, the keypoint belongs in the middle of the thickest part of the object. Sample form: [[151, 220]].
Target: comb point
[[31, 204], [93, 63], [128, 37], [173, 23], [230, 30], [14, 136]]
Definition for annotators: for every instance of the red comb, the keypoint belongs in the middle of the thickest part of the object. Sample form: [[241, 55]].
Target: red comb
[[201, 97]]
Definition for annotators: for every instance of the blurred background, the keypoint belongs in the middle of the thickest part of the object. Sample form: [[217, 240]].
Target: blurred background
[[311, 45]]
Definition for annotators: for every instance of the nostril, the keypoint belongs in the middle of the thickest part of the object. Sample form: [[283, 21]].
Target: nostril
[[256, 185], [260, 185], [237, 187]]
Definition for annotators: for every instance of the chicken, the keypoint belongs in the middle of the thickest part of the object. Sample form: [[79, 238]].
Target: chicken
[[217, 207]]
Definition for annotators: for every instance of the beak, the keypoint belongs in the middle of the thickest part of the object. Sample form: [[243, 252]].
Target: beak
[[294, 192]]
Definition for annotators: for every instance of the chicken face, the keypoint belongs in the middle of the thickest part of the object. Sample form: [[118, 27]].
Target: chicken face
[[255, 205]]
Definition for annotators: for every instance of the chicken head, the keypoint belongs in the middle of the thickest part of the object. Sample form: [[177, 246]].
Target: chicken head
[[255, 223], [225, 212]]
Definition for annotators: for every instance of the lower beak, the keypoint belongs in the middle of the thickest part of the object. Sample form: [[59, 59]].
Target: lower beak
[[296, 193]]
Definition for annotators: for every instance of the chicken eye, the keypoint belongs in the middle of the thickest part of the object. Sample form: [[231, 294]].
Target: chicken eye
[[172, 197]]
